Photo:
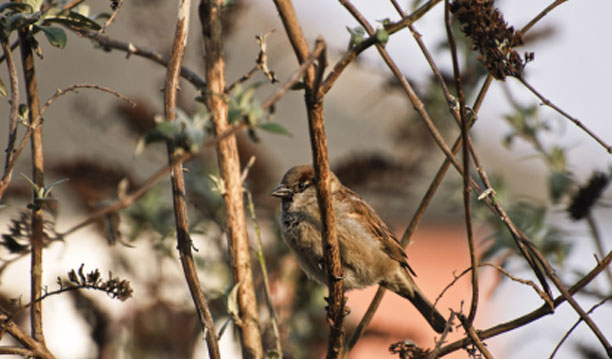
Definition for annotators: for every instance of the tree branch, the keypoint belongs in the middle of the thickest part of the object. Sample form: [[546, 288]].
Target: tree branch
[[36, 239], [229, 166], [543, 310], [13, 118], [107, 43], [466, 172], [178, 182]]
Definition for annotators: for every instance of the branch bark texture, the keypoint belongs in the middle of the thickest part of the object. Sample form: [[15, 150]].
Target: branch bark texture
[[36, 268], [229, 166]]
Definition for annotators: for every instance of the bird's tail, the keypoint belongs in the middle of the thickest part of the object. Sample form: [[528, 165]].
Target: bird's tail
[[431, 314], [411, 292]]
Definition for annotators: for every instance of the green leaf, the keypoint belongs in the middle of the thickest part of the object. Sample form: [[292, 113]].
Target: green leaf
[[24, 111], [74, 19], [357, 36], [55, 35], [3, 91], [382, 36], [274, 127], [19, 7], [19, 20], [35, 4]]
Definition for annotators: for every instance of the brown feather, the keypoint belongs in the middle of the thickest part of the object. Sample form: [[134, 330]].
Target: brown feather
[[389, 243]]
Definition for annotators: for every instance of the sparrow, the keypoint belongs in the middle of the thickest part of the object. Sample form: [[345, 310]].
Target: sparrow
[[369, 252]]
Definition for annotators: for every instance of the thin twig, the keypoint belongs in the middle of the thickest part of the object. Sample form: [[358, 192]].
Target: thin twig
[[447, 329], [13, 117], [297, 75], [598, 242], [261, 64], [539, 17], [350, 55], [178, 182], [75, 87], [499, 269], [39, 350], [259, 253], [340, 65], [475, 338], [466, 166], [129, 199], [576, 121], [530, 317], [38, 121], [72, 4], [558, 346], [112, 17], [107, 43]]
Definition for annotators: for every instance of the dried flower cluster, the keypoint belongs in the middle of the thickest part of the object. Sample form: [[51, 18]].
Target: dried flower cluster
[[115, 287], [585, 198], [491, 36], [407, 349]]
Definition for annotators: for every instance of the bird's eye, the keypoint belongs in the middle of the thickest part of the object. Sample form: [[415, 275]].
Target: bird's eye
[[302, 185]]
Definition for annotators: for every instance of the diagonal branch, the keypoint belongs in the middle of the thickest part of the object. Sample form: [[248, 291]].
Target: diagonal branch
[[543, 310]]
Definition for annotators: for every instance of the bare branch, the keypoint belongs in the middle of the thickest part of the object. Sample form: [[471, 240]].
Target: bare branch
[[229, 167], [466, 172], [576, 121], [178, 182], [543, 310], [38, 349], [107, 43], [75, 87], [36, 239], [13, 118], [575, 325]]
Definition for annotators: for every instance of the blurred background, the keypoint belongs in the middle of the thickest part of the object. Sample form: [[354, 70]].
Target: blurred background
[[377, 145]]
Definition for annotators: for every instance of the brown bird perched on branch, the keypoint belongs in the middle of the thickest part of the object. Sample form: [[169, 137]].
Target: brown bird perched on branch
[[369, 251]]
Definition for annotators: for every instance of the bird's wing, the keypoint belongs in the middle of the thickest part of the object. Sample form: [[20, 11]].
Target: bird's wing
[[389, 243]]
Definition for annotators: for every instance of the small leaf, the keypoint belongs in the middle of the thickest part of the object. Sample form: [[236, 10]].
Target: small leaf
[[232, 301], [382, 36], [75, 19], [24, 111], [55, 35], [16, 6], [274, 127], [385, 22], [18, 20], [357, 36], [35, 4]]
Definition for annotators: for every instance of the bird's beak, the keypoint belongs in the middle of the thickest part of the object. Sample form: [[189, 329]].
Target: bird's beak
[[281, 191]]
